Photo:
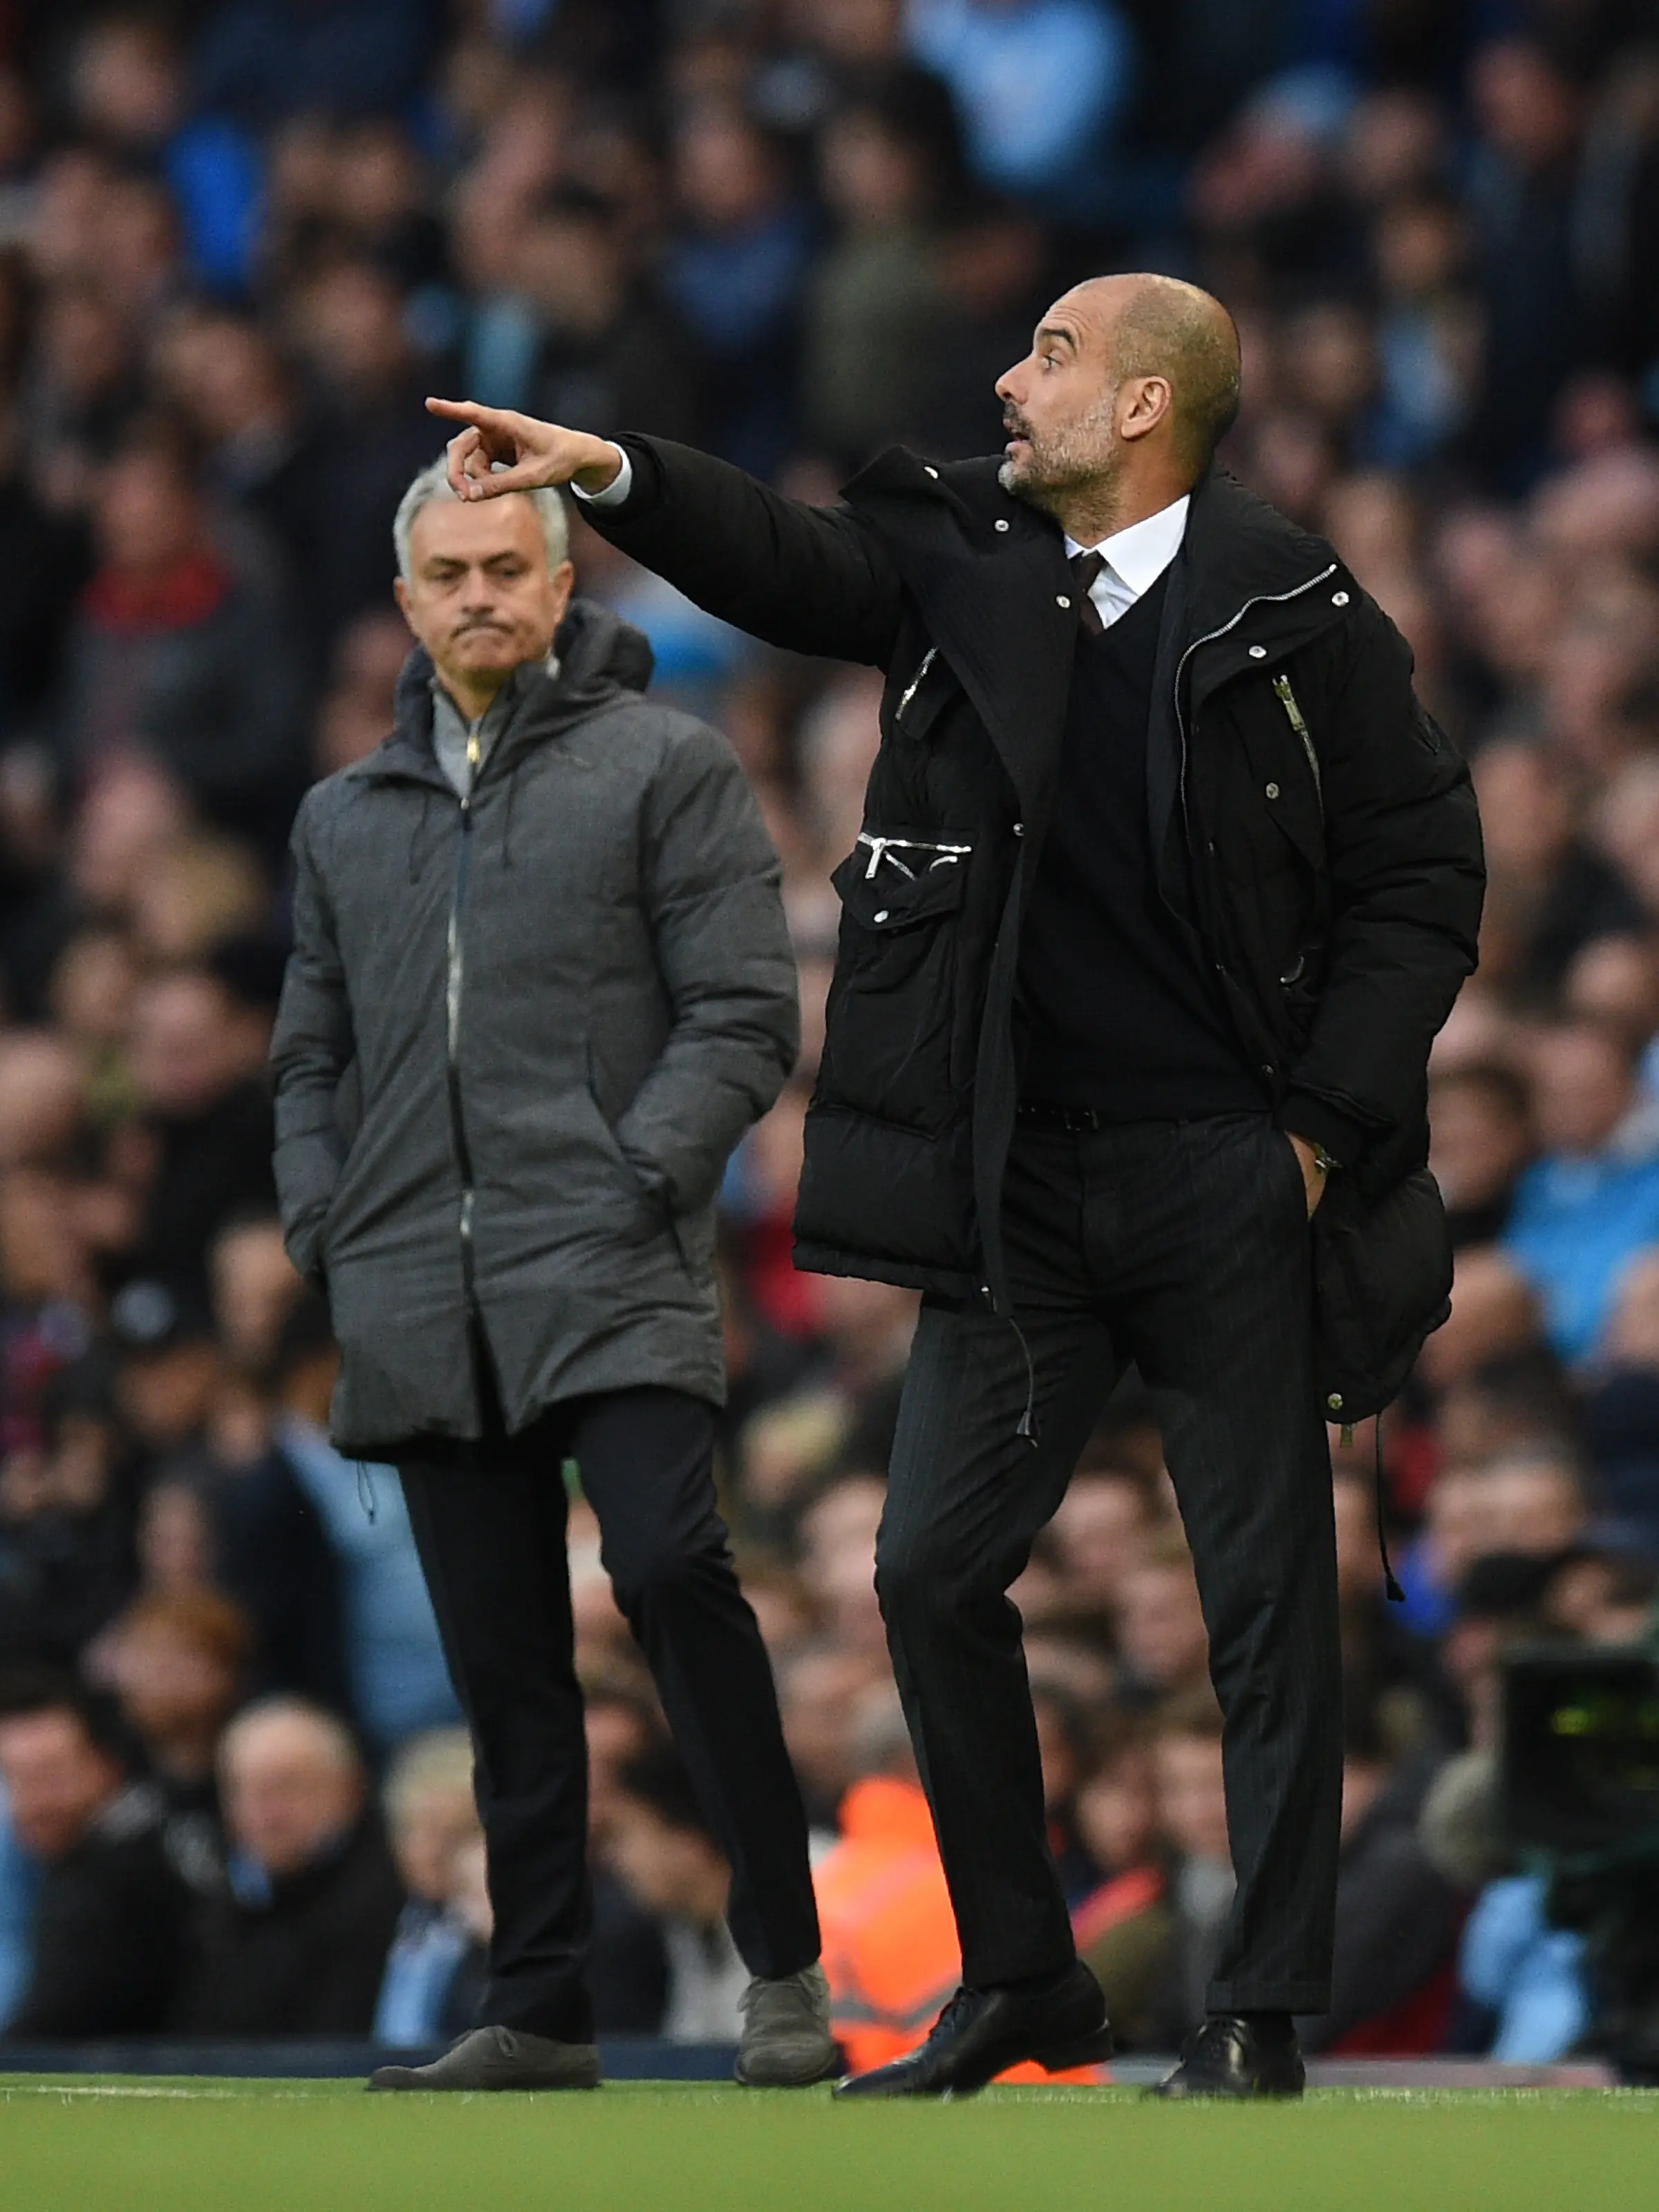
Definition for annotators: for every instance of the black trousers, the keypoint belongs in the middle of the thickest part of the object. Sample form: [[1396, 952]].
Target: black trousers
[[1184, 1247], [491, 1535]]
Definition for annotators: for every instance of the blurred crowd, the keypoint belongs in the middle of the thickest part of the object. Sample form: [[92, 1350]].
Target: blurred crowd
[[238, 240]]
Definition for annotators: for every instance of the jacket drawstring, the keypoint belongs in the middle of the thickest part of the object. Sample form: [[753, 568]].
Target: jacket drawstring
[[1390, 1583], [366, 1489], [506, 825], [1027, 1426]]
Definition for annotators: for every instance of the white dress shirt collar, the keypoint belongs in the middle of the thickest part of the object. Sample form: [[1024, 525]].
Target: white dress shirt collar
[[1140, 554]]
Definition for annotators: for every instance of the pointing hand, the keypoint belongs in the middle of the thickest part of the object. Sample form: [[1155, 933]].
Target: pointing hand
[[500, 451]]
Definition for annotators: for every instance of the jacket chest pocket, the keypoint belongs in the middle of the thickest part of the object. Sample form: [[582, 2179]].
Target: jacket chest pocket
[[914, 706], [892, 1015], [1284, 801]]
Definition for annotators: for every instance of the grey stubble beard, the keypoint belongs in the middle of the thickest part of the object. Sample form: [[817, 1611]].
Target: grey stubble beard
[[1079, 459]]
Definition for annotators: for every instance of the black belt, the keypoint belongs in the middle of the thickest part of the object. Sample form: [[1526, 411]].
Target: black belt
[[1039, 1114]]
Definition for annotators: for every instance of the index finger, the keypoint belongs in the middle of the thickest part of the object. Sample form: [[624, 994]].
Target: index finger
[[469, 410]]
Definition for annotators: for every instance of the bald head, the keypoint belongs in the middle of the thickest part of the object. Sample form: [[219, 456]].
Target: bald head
[[292, 1783], [1131, 384], [1160, 327]]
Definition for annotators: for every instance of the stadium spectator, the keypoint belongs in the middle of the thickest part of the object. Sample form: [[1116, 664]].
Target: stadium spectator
[[166, 1371], [349, 330], [820, 1687], [429, 1815], [198, 1045], [1098, 1537], [1041, 84], [580, 329], [260, 61], [629, 1969], [735, 272], [68, 1550], [660, 1845], [1152, 1944], [399, 1685], [176, 1664], [874, 307], [178, 653], [889, 1941], [299, 1938], [297, 1943], [1397, 1918], [1528, 1974], [1530, 117], [1159, 1625], [109, 1922], [1482, 1122], [1591, 1202], [1556, 894], [1064, 1743], [1621, 1410]]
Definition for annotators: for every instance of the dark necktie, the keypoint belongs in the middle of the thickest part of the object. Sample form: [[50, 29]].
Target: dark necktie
[[1085, 566]]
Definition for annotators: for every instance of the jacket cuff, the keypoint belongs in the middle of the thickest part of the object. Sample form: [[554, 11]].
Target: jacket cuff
[[643, 494], [1304, 1114], [615, 492]]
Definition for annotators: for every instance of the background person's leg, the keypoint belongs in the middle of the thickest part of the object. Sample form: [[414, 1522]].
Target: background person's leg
[[646, 1462], [492, 1543], [1206, 1223]]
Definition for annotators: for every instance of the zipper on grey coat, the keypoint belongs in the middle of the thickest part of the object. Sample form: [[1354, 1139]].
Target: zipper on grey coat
[[1294, 715], [453, 983], [1262, 599], [913, 685]]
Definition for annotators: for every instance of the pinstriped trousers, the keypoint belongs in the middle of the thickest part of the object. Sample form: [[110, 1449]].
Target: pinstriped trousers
[[1183, 1246]]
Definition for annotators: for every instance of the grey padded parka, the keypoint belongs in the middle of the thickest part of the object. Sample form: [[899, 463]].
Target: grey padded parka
[[517, 1042]]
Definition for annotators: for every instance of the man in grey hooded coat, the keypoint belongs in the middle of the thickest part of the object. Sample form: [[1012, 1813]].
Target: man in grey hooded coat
[[541, 985]]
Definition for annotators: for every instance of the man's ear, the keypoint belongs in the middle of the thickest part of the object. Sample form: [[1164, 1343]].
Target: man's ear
[[400, 592], [565, 583], [1144, 403]]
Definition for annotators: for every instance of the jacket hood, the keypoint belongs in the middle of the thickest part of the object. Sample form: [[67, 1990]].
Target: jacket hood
[[600, 658]]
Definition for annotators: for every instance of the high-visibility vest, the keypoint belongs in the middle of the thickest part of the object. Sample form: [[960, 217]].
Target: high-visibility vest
[[890, 1937]]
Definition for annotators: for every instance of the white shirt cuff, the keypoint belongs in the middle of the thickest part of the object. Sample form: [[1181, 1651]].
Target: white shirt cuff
[[616, 491]]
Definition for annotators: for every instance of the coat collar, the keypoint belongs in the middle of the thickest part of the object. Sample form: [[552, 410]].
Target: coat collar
[[1240, 550], [970, 553], [598, 660]]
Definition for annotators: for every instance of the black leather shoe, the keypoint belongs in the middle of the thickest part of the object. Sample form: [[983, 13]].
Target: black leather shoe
[[983, 2032], [1228, 2057]]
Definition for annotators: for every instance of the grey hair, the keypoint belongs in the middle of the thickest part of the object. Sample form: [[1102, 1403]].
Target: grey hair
[[330, 1736], [433, 482]]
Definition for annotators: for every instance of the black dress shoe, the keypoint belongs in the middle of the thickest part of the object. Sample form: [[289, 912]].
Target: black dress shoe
[[980, 2032], [1228, 2057]]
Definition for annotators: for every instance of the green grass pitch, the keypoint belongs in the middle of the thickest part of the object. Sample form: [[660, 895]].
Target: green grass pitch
[[81, 2145]]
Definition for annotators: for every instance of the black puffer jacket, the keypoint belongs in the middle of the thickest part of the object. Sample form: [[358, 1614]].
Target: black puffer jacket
[[1314, 827]]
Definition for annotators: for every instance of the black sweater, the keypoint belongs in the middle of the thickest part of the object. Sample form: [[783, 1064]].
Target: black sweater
[[1120, 1015]]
